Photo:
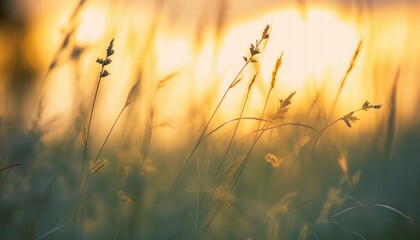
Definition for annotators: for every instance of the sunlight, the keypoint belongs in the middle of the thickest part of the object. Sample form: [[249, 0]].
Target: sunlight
[[172, 53], [313, 47], [93, 24], [317, 47], [317, 51]]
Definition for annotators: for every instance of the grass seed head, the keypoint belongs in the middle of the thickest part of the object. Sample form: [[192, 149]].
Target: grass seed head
[[273, 160], [276, 69], [95, 166]]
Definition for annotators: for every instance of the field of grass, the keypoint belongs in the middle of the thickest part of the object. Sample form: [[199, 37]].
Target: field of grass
[[124, 151]]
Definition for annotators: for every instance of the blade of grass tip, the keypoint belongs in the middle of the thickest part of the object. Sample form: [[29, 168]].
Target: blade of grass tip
[[295, 207], [361, 205], [13, 165], [165, 80], [343, 80], [390, 133], [394, 210], [392, 118], [50, 232]]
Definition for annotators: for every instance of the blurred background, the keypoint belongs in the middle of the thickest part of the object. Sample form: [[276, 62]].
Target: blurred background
[[185, 54]]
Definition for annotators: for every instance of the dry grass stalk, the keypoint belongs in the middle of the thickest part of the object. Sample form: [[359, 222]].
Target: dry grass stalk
[[272, 85], [254, 50], [389, 142], [102, 74], [97, 165], [344, 79], [348, 118], [86, 133]]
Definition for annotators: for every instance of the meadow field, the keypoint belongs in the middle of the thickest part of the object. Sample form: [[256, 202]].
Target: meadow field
[[228, 119]]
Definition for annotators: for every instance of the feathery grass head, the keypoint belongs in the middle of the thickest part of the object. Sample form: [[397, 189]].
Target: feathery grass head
[[265, 34], [283, 107], [366, 106], [95, 166], [131, 97], [103, 62], [124, 198], [273, 160], [276, 69], [255, 49], [350, 118]]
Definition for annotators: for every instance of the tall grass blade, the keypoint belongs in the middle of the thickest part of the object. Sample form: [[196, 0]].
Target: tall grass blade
[[50, 232], [346, 75]]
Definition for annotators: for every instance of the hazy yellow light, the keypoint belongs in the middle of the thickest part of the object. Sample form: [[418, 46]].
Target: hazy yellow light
[[172, 54], [317, 48], [93, 23]]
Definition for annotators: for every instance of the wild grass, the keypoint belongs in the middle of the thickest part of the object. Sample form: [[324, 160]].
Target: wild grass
[[287, 176]]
